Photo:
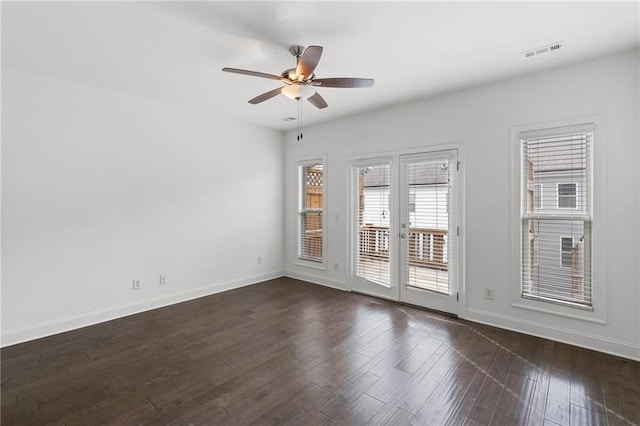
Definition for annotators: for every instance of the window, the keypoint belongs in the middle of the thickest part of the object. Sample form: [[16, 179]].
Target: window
[[537, 196], [556, 242], [567, 196], [566, 249], [310, 211]]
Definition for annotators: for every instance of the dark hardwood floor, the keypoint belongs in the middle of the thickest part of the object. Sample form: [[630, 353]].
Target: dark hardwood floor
[[288, 352]]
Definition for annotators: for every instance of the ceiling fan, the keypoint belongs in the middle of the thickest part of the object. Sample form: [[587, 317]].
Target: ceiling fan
[[300, 82]]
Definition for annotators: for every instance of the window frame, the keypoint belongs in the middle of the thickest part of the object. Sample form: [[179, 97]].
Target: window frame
[[301, 209]]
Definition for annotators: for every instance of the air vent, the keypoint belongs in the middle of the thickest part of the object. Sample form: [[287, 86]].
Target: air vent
[[543, 49]]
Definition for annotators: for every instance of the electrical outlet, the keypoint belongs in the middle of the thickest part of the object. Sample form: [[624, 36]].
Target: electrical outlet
[[488, 293], [137, 284], [259, 260], [163, 279]]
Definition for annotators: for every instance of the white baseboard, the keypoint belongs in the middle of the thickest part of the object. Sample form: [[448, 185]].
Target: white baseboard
[[572, 337], [338, 285], [13, 337]]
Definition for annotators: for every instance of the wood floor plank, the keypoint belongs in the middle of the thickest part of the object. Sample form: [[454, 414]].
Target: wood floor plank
[[288, 352], [386, 386], [125, 410], [73, 400], [558, 399], [397, 417], [359, 412], [397, 396], [332, 377], [514, 402], [538, 404], [348, 394], [447, 396], [179, 389], [492, 387], [423, 389], [480, 358], [302, 406], [418, 355], [580, 416]]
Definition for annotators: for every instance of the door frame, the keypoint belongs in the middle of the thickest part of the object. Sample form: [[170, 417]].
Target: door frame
[[394, 157]]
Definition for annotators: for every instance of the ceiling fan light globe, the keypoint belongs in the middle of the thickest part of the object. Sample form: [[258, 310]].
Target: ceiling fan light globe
[[298, 91]]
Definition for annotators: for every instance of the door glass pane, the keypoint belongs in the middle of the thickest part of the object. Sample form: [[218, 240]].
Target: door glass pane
[[372, 254], [427, 242]]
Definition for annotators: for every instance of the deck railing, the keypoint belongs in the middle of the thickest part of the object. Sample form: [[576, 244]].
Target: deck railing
[[426, 246]]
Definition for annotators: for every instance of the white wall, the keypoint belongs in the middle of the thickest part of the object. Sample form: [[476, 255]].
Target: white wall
[[99, 188], [481, 119]]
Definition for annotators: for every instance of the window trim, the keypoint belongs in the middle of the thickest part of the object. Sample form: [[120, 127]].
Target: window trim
[[305, 162], [545, 311]]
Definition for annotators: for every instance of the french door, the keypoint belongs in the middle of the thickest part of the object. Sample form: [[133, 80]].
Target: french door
[[405, 228]]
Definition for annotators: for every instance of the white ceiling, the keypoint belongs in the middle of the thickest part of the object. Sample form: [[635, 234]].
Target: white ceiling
[[173, 51]]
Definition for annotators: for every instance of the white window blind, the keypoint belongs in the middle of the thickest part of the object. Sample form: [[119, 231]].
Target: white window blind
[[556, 222], [372, 259], [427, 262], [311, 190]]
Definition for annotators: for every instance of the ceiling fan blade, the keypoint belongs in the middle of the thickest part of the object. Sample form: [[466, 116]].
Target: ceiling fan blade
[[343, 82], [309, 61], [253, 73], [265, 96], [318, 101]]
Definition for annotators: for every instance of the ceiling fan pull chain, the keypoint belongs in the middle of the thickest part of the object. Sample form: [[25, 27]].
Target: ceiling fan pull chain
[[299, 119]]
